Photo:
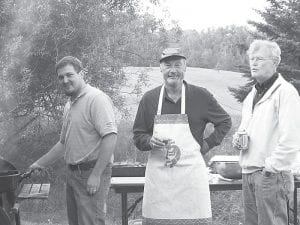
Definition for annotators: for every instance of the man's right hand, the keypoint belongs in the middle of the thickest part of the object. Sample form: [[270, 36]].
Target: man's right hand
[[35, 168], [235, 141], [157, 143]]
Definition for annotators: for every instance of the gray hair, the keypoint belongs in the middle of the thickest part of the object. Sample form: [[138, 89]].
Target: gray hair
[[271, 45]]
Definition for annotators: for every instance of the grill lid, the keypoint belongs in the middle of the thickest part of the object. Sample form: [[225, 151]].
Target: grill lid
[[6, 166]]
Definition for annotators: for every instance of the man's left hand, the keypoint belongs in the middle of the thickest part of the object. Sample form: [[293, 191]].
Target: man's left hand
[[93, 183]]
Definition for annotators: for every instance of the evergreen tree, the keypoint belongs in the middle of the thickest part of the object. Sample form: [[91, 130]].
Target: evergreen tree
[[282, 25]]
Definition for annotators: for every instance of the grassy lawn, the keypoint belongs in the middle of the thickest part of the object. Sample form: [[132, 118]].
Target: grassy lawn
[[226, 206]]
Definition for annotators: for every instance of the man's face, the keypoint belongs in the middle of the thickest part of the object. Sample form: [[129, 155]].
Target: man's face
[[262, 65], [173, 70], [70, 80]]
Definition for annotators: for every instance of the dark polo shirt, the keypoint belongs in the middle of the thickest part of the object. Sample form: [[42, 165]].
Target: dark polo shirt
[[201, 108]]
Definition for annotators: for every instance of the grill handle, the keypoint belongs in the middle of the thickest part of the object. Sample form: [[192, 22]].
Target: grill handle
[[25, 175]]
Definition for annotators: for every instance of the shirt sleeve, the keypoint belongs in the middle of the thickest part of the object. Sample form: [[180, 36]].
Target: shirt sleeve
[[102, 115], [142, 127], [221, 120], [288, 144]]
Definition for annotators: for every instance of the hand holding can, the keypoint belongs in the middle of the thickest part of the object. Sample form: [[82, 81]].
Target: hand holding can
[[157, 143], [172, 154], [235, 140], [241, 140]]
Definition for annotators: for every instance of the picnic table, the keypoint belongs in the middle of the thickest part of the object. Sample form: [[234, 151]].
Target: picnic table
[[125, 185]]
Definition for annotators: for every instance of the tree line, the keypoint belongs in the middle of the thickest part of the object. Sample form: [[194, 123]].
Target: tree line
[[107, 36], [281, 23]]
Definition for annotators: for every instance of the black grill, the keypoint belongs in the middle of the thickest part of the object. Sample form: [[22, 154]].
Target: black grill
[[9, 210]]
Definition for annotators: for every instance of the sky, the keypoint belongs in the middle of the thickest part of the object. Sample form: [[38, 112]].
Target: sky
[[203, 14]]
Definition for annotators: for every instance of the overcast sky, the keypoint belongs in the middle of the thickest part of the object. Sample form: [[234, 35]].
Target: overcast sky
[[202, 14]]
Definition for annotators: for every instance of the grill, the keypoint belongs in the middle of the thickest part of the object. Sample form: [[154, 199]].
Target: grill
[[125, 169], [11, 189]]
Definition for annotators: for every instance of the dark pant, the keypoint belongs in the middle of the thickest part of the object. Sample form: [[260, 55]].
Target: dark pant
[[85, 209], [265, 197]]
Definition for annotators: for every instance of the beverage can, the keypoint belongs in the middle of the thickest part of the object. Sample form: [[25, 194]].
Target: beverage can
[[243, 140]]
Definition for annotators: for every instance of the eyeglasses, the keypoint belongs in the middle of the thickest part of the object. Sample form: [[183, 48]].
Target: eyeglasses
[[259, 59], [176, 66]]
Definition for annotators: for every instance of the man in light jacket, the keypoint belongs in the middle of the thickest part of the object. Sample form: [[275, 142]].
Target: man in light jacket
[[270, 118]]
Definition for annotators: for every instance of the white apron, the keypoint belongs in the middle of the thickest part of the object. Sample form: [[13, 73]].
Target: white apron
[[176, 192]]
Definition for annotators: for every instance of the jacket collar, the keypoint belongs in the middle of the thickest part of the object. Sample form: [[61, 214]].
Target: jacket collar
[[267, 84], [278, 82]]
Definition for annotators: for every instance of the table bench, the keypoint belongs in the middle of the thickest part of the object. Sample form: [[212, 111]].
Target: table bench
[[125, 185]]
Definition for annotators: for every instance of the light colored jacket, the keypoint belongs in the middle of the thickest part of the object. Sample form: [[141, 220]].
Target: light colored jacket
[[273, 127]]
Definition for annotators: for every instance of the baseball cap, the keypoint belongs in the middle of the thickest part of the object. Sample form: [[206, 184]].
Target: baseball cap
[[169, 52]]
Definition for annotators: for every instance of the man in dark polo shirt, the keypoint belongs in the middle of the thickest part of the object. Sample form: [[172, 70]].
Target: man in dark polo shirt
[[176, 177], [87, 143], [201, 107]]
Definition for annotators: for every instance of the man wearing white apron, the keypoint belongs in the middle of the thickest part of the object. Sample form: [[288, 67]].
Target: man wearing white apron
[[170, 122]]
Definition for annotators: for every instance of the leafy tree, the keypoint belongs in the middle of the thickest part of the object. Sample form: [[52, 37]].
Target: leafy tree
[[282, 25], [141, 44], [147, 39], [38, 35], [222, 48]]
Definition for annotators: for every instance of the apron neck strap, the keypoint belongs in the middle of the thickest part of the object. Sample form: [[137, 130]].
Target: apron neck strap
[[161, 95]]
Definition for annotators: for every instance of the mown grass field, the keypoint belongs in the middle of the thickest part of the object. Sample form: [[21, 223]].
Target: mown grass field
[[226, 206]]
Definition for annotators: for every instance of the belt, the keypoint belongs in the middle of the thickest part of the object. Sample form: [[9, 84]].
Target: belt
[[83, 166]]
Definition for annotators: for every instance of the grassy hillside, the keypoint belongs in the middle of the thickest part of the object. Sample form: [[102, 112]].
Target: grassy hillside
[[217, 82]]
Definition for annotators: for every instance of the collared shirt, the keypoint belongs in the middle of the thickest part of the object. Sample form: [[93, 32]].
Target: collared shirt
[[201, 108], [87, 119], [261, 89]]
